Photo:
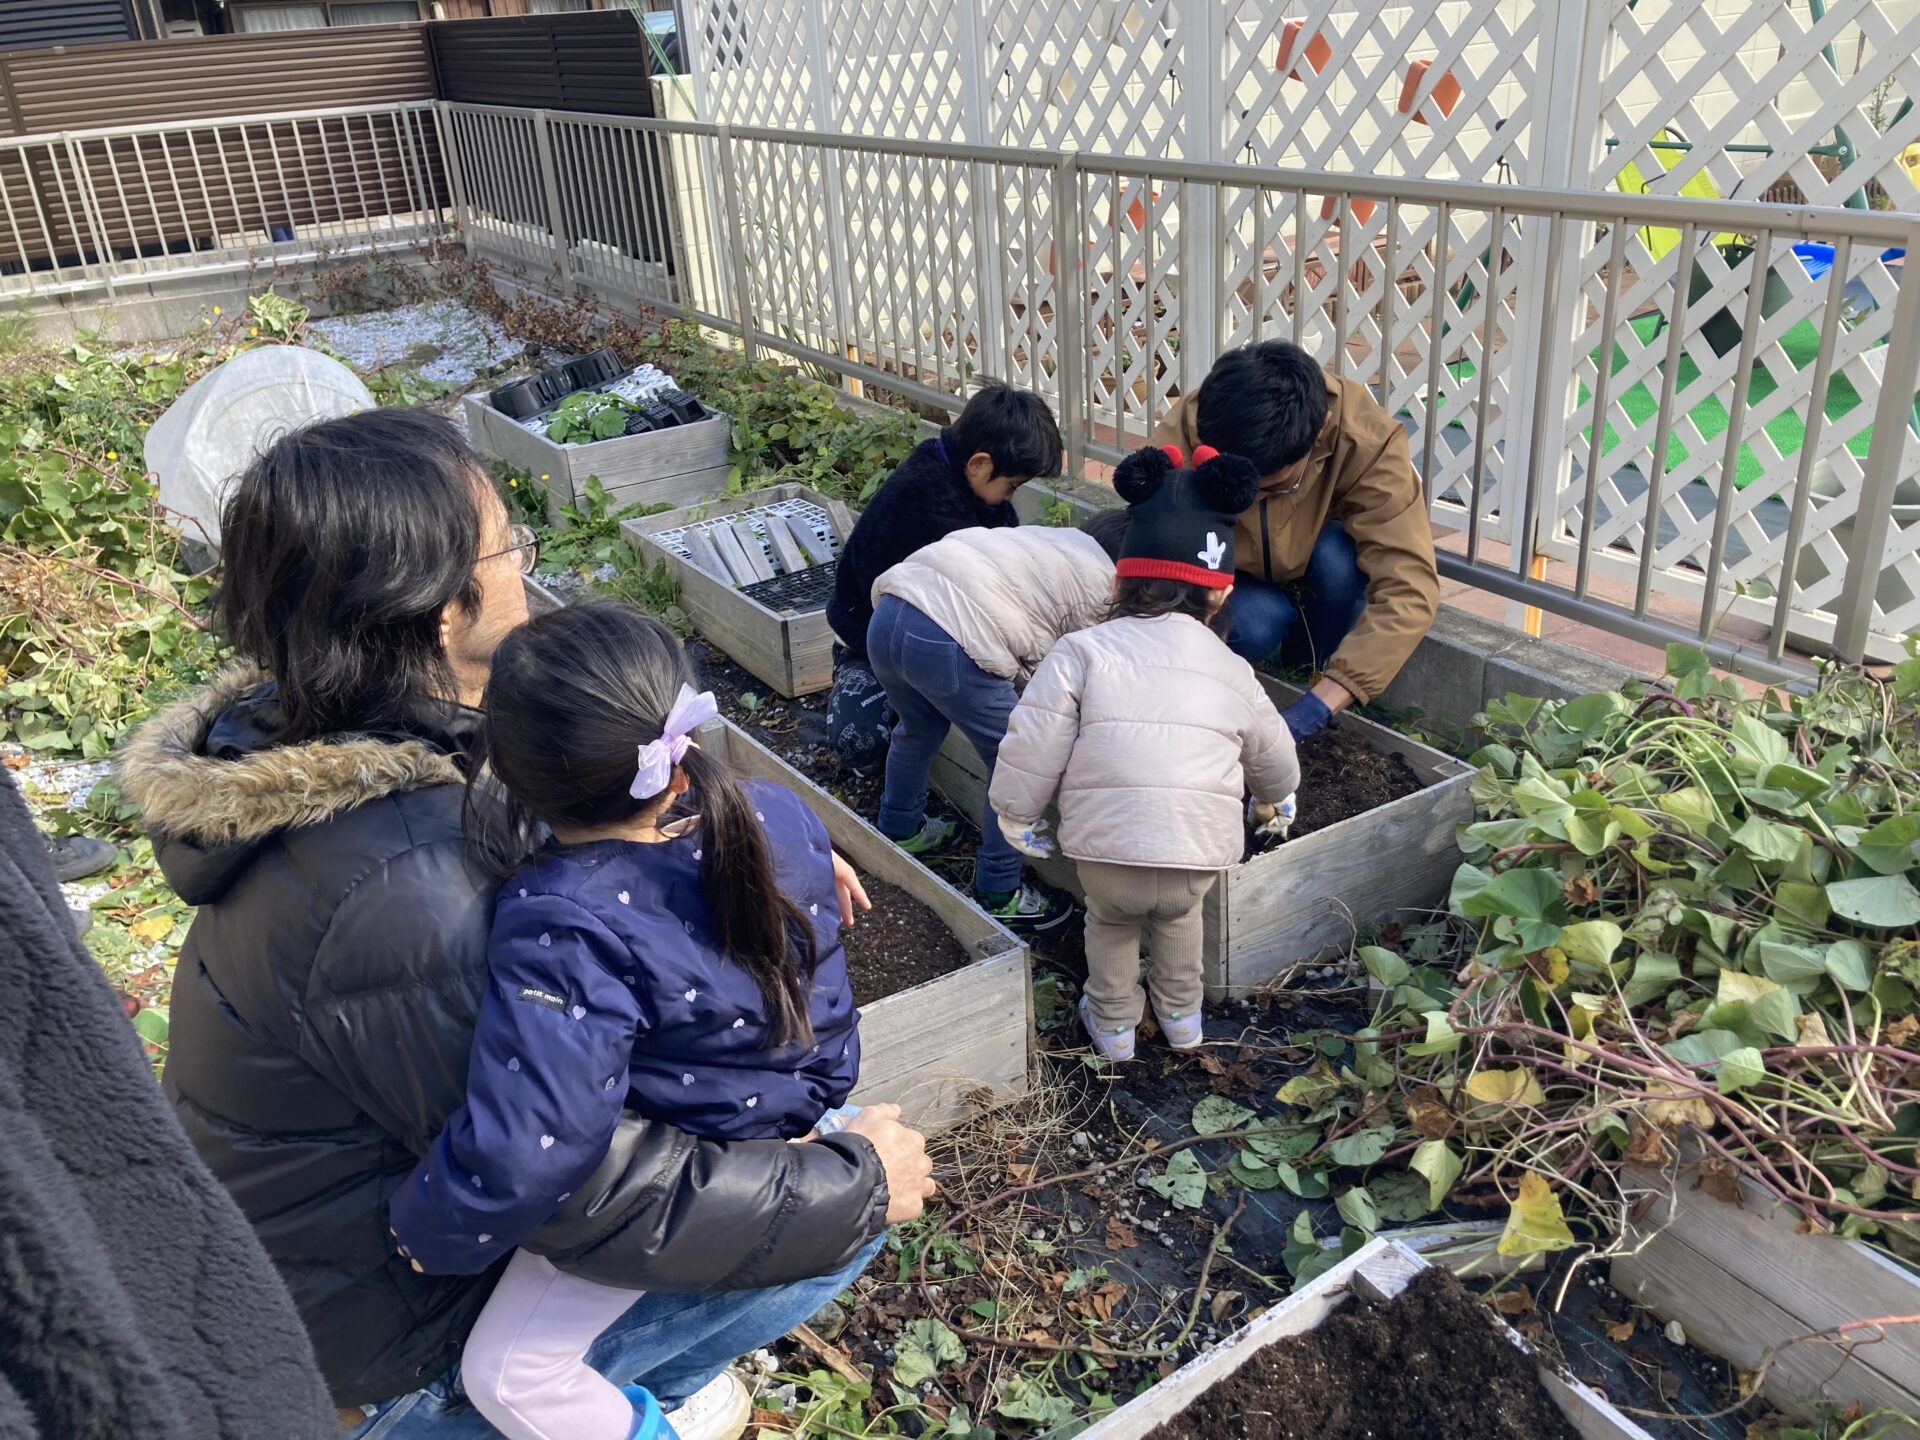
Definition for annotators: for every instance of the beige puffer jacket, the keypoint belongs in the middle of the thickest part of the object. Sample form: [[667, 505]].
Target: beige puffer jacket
[[1151, 731], [1006, 595]]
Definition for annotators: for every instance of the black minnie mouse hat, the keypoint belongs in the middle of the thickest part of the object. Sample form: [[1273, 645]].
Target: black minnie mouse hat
[[1180, 519]]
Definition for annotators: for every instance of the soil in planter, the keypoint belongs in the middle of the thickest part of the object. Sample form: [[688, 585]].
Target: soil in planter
[[1428, 1363], [1342, 776], [896, 945]]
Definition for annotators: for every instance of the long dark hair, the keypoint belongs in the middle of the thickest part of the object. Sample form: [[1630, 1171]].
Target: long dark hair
[[341, 545], [1139, 598], [573, 696]]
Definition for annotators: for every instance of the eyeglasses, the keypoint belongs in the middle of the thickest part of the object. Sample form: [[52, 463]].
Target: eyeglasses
[[525, 547]]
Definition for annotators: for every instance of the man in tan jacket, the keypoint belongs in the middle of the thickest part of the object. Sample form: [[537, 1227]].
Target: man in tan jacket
[[1341, 522]]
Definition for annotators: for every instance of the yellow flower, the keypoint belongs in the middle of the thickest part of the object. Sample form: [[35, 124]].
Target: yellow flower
[[216, 309], [253, 332], [546, 477], [113, 454], [512, 484]]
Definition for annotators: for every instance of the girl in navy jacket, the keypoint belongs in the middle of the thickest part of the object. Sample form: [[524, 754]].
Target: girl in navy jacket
[[688, 967]]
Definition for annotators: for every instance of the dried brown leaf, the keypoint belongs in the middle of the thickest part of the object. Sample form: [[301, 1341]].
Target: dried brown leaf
[[1720, 1178], [1223, 1304], [1103, 1300], [1580, 889], [1621, 1331], [1645, 1144], [1427, 1112], [1120, 1235], [1517, 1301]]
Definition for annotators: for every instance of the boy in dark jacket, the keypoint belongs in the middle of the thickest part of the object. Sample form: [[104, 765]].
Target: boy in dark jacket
[[965, 477]]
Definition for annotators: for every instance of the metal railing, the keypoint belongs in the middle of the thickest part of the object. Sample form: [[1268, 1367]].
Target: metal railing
[[88, 210], [1620, 417]]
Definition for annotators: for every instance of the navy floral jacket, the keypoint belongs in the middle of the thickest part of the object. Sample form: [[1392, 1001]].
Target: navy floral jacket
[[607, 991]]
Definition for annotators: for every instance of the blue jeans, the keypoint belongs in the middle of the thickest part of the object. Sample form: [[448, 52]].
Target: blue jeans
[[933, 686], [1265, 618], [672, 1344]]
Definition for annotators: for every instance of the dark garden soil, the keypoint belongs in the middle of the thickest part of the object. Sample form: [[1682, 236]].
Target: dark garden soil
[[1342, 776], [1430, 1362], [896, 945]]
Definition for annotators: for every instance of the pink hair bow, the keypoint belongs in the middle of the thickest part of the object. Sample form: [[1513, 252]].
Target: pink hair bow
[[658, 757]]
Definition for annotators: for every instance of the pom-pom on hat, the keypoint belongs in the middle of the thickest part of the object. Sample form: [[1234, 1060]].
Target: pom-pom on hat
[[1180, 520]]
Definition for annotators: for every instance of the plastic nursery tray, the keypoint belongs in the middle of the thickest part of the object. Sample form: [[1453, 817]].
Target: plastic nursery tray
[[805, 511], [797, 593]]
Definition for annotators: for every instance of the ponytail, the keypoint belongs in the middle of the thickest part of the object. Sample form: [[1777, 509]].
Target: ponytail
[[754, 921], [572, 696]]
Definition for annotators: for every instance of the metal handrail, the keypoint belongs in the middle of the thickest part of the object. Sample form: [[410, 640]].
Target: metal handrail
[[827, 248]]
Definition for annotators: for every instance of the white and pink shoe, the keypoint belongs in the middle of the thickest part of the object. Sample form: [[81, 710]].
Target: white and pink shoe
[[1182, 1032], [1115, 1045]]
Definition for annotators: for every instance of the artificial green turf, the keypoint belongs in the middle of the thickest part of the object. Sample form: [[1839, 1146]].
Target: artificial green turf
[[1786, 430]]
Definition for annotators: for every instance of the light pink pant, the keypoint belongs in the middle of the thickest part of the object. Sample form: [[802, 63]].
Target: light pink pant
[[525, 1363]]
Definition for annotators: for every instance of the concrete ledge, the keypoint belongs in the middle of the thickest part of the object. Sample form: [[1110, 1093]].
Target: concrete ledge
[[165, 307], [1464, 662]]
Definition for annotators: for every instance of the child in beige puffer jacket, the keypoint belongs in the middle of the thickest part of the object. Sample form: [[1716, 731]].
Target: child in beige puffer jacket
[[1152, 731]]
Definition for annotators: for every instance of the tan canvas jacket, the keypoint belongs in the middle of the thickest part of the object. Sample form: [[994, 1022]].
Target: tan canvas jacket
[[1360, 473]]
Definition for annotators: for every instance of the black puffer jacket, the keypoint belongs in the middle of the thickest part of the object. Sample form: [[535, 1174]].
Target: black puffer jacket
[[322, 1013]]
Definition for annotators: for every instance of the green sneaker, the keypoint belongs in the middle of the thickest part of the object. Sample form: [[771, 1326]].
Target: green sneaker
[[936, 834], [1028, 908]]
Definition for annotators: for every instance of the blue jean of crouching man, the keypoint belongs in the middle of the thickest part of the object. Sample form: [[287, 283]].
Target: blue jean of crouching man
[[1301, 623], [934, 686]]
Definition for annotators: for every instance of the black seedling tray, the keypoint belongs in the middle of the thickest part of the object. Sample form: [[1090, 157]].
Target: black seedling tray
[[799, 592]]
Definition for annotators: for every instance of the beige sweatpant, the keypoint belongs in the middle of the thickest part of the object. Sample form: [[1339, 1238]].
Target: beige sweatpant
[[1120, 900]]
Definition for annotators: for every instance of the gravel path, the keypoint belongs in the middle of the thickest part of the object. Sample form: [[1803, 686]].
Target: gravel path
[[444, 340]]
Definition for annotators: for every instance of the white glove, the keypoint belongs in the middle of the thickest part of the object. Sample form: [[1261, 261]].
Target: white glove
[[1271, 822], [1030, 840]]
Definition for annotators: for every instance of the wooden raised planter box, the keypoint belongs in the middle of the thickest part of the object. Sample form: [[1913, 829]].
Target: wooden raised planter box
[[789, 650], [1288, 906], [1743, 1279], [931, 1049], [662, 467], [1381, 1270]]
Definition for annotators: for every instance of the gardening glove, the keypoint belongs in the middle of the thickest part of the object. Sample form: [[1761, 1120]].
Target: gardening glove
[[1306, 715], [1271, 822], [1030, 840]]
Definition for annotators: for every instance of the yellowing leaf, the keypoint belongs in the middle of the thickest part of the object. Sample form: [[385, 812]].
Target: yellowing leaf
[[1734, 985], [152, 929], [1436, 1160], [1535, 1223], [1671, 1111], [1590, 942], [1553, 967], [1506, 1087], [1812, 1030]]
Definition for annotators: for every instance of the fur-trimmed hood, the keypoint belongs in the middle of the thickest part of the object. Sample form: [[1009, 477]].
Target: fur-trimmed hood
[[223, 805]]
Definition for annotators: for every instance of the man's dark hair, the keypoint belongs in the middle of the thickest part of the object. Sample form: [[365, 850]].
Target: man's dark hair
[[341, 545], [1109, 527], [1014, 426], [1266, 402]]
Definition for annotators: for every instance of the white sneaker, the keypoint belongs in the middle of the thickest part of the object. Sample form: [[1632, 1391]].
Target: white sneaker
[[1182, 1032], [1115, 1045], [718, 1410]]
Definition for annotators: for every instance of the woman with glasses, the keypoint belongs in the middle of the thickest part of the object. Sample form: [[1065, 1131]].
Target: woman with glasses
[[309, 803]]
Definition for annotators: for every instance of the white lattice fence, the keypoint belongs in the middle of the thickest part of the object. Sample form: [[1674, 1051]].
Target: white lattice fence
[[1436, 88]]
